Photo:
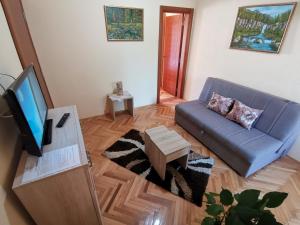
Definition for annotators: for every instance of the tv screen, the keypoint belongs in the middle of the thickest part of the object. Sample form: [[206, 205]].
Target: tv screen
[[28, 105], [33, 105]]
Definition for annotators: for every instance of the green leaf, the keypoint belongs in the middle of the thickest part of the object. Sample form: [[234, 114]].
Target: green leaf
[[208, 221], [246, 214], [261, 204], [267, 218], [218, 222], [248, 197], [233, 219], [275, 199], [214, 210], [237, 197], [226, 197], [210, 198]]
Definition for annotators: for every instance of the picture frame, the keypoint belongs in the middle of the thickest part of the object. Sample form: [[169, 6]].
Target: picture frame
[[262, 28], [118, 90], [124, 23]]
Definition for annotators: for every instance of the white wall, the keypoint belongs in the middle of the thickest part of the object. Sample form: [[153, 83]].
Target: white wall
[[211, 56], [11, 211], [79, 64], [9, 60]]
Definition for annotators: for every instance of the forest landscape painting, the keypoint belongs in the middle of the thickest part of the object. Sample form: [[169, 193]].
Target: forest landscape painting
[[262, 28], [124, 24]]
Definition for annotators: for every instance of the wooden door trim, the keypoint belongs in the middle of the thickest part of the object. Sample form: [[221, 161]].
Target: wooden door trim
[[171, 9], [18, 47]]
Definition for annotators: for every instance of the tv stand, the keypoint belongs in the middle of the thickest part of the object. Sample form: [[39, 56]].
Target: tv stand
[[58, 188], [48, 132]]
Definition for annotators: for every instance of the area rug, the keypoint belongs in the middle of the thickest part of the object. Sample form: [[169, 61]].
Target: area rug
[[189, 184]]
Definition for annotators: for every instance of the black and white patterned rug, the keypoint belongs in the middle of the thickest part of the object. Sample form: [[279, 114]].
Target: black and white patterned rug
[[189, 184]]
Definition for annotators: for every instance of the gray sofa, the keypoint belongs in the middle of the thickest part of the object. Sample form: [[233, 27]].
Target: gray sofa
[[245, 151]]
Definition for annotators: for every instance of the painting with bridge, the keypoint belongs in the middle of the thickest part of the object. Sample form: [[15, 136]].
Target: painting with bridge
[[262, 28]]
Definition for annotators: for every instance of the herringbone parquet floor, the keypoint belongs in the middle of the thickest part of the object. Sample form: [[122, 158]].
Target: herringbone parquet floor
[[126, 198]]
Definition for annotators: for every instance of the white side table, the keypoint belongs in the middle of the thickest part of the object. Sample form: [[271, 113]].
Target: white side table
[[127, 98]]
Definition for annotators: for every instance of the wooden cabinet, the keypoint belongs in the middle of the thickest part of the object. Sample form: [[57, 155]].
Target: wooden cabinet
[[58, 188]]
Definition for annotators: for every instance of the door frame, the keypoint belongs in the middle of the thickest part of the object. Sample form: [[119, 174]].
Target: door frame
[[185, 53]]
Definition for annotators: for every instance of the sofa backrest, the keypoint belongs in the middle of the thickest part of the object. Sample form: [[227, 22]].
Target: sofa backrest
[[281, 117]]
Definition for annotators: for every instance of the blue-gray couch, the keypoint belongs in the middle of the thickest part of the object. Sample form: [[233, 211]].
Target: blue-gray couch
[[245, 151]]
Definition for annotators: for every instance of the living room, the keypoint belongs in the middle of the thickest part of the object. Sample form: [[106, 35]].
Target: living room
[[76, 63]]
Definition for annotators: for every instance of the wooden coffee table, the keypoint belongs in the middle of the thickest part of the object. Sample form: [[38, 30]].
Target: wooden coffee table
[[163, 145]]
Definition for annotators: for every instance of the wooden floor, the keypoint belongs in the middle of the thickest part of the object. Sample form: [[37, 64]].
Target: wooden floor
[[126, 198], [168, 99]]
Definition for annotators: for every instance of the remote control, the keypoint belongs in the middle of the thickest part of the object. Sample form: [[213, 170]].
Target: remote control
[[63, 120]]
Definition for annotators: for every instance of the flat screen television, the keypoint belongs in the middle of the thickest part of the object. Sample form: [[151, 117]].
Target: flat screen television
[[27, 103]]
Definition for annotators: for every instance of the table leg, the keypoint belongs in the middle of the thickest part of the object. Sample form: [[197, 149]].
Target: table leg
[[183, 161], [162, 171], [156, 158], [111, 106], [130, 106], [147, 143]]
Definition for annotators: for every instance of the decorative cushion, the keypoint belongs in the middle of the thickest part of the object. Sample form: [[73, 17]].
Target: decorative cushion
[[220, 104], [244, 115]]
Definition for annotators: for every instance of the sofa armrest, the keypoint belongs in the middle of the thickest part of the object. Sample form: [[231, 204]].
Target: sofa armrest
[[288, 123]]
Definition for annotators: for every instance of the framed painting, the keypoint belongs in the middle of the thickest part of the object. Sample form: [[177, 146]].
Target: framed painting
[[124, 24], [262, 27]]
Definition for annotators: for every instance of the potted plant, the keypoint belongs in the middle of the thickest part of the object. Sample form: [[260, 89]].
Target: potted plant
[[245, 208]]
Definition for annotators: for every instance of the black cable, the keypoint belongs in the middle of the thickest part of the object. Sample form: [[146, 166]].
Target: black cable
[[6, 117], [3, 116], [2, 87], [7, 75], [4, 74]]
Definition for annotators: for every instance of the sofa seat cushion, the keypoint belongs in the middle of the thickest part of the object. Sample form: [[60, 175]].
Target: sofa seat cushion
[[249, 145]]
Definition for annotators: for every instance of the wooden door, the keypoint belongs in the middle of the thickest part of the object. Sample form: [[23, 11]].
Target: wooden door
[[172, 39], [16, 20], [183, 55]]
